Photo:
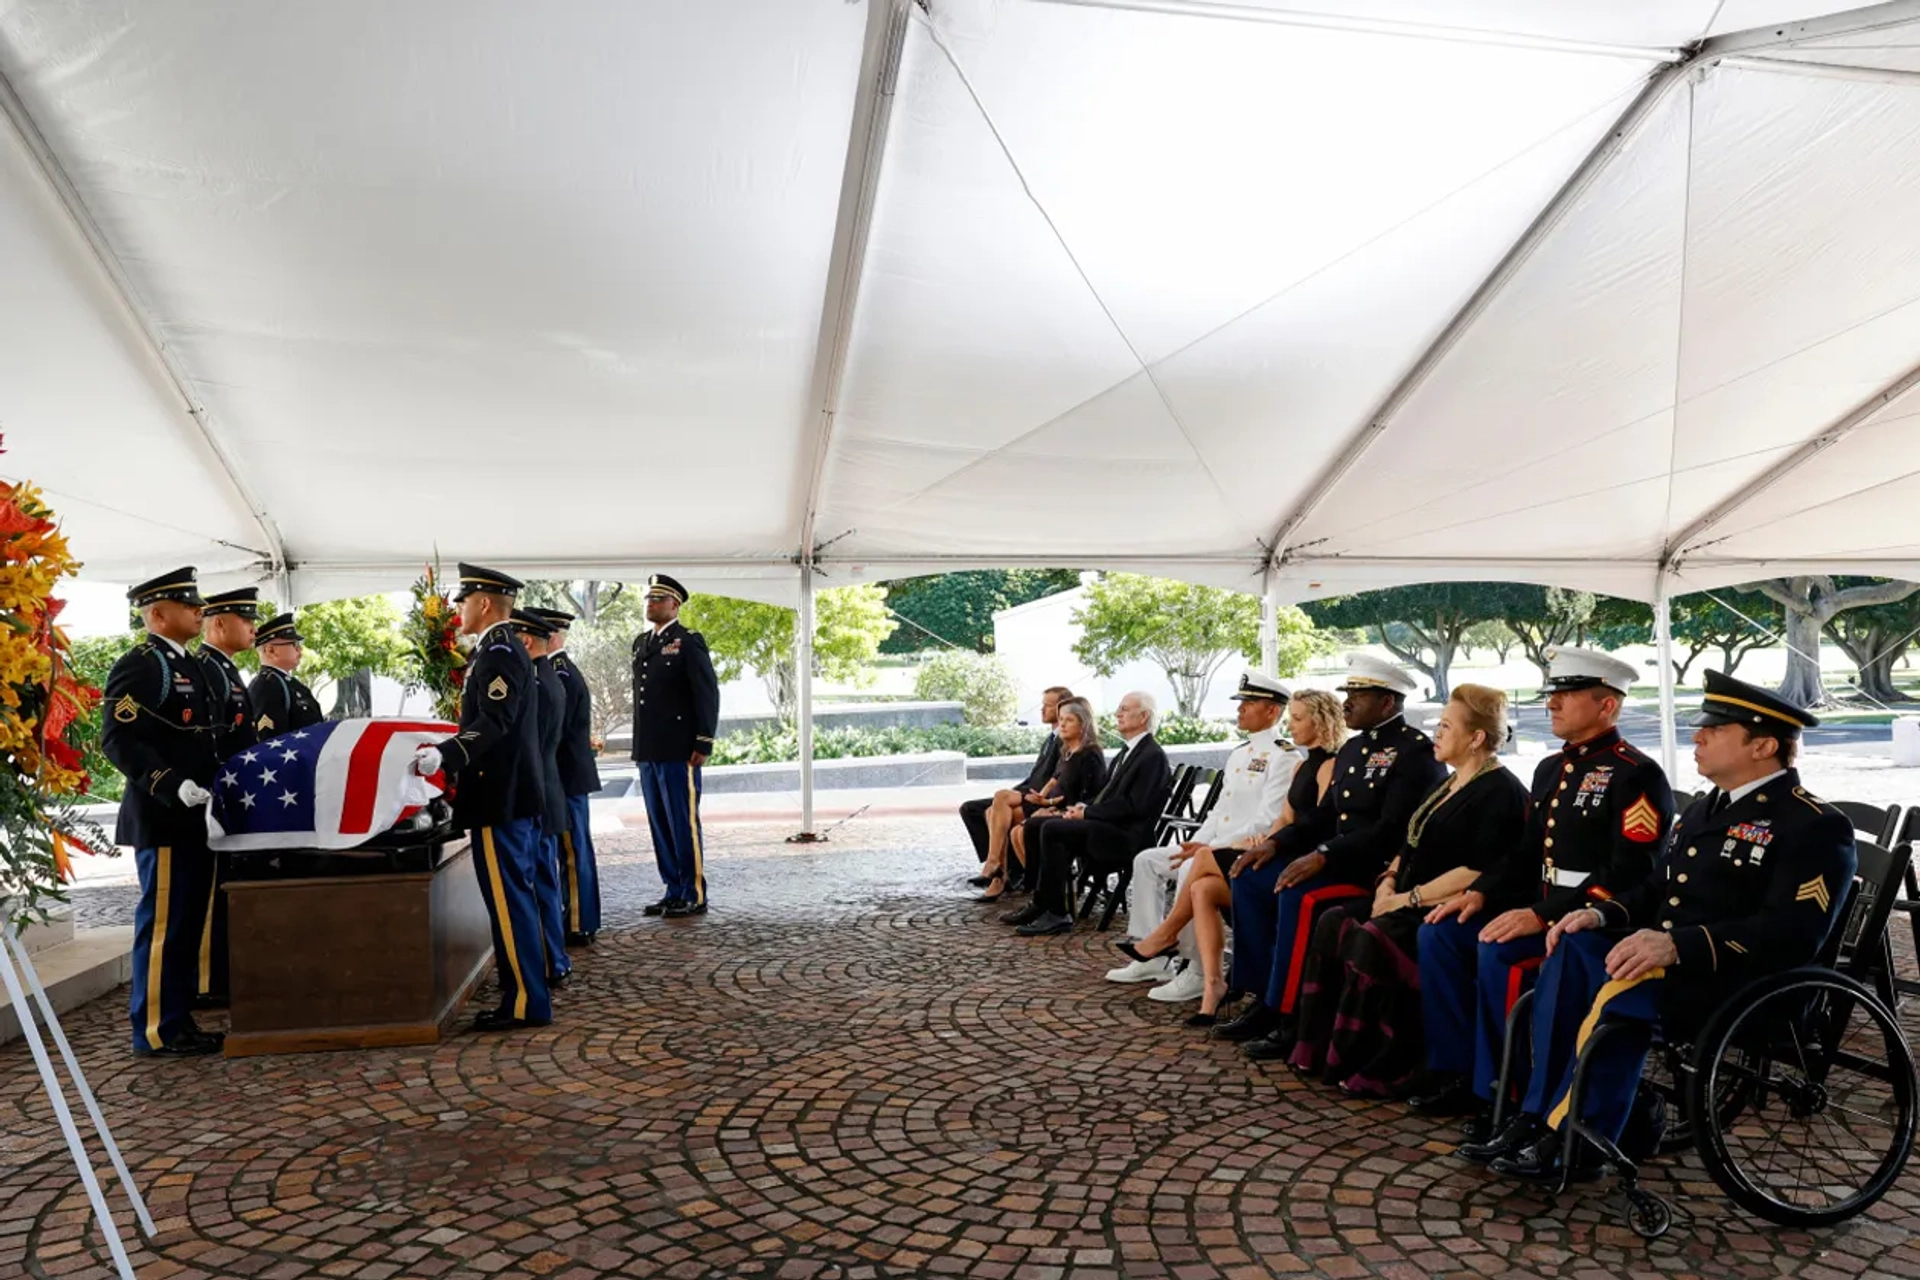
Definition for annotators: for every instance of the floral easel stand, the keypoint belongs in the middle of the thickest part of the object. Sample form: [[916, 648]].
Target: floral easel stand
[[16, 970]]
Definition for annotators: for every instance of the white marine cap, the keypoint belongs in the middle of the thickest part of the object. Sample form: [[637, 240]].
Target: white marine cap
[[1571, 669], [1364, 671], [1258, 686]]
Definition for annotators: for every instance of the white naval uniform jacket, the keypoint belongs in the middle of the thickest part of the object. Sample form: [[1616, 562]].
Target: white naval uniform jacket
[[1258, 771]]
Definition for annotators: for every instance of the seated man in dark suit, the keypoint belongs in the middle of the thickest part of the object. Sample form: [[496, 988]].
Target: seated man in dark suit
[[988, 821], [1109, 829]]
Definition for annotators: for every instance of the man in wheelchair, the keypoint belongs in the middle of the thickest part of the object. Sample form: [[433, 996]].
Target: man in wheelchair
[[1755, 874]]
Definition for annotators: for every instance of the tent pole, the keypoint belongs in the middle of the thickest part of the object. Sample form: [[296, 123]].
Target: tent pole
[[1270, 625], [803, 682], [1663, 647]]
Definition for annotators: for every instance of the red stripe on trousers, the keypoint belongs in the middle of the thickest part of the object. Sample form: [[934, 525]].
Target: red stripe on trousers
[[1514, 974], [363, 770], [1303, 934]]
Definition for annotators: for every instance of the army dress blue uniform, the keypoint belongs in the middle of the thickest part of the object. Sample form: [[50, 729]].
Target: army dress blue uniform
[[553, 812], [1750, 884], [1380, 777], [1600, 811], [676, 711], [580, 781], [280, 702], [499, 796], [229, 690], [162, 727]]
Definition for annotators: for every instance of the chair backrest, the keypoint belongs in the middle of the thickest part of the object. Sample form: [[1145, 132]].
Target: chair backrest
[[1216, 783], [1875, 822], [1910, 827], [1180, 791], [1854, 947]]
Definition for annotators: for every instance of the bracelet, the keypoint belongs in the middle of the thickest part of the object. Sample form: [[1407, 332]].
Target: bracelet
[[1413, 896]]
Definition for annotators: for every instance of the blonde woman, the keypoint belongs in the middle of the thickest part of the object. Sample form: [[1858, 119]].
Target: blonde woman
[[1360, 1023], [1315, 723], [1082, 770]]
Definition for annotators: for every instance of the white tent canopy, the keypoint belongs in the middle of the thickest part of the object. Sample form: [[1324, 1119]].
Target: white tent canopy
[[1322, 296]]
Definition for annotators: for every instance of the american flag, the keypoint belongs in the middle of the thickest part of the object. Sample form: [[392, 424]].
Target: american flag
[[332, 786]]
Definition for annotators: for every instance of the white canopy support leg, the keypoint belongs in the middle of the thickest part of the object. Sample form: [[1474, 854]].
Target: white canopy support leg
[[803, 683], [76, 1147], [1663, 647], [1270, 626]]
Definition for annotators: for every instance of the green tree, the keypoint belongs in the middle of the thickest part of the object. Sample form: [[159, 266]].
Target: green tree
[[1700, 623], [590, 600], [1188, 631], [979, 682], [1494, 635], [603, 654], [958, 608], [1422, 625], [1811, 602], [1876, 637], [348, 642], [849, 625], [1545, 618], [1618, 622]]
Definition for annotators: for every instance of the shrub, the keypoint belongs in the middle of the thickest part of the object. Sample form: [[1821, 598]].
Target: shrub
[[1175, 731], [776, 745], [980, 683]]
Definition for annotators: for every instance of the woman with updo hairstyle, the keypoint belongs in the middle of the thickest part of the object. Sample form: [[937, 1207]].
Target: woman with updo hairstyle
[[1359, 1018]]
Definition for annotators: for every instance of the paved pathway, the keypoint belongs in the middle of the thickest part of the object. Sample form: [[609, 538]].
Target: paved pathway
[[845, 1071]]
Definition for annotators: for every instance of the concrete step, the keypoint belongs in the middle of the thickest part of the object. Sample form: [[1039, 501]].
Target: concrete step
[[92, 963]]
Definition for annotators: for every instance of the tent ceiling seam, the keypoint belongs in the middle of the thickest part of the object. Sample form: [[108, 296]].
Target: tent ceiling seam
[[134, 314], [1814, 69], [1680, 310], [859, 190], [1786, 35]]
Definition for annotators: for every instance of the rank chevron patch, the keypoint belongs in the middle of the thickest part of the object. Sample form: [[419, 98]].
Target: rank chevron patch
[[1814, 891], [1641, 822]]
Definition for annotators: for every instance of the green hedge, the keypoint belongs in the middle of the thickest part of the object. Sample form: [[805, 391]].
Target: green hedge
[[778, 745]]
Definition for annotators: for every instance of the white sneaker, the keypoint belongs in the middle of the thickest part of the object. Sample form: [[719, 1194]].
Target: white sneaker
[[1190, 985], [1157, 969]]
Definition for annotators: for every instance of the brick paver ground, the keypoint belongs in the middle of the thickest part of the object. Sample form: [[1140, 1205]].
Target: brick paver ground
[[844, 1071]]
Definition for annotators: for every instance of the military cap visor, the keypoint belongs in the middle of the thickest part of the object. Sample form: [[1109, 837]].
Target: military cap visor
[[242, 603], [556, 619], [278, 629], [1260, 689], [475, 577], [1730, 701], [181, 586], [527, 623], [660, 585]]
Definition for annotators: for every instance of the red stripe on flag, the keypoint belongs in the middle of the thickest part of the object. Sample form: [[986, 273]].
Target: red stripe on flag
[[363, 769]]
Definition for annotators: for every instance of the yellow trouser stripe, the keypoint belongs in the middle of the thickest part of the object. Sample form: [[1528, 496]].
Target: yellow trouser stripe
[[157, 945], [505, 919], [206, 939], [1612, 988], [573, 878], [693, 825]]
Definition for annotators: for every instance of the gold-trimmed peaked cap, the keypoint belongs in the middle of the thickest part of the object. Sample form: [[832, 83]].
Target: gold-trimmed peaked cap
[[1730, 701], [477, 577], [661, 585], [245, 602], [529, 623], [1258, 686], [278, 627], [1364, 671], [182, 584], [556, 619]]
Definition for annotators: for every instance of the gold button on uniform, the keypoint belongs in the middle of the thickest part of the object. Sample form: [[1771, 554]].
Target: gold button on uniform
[[1683, 877], [1673, 902], [1666, 924]]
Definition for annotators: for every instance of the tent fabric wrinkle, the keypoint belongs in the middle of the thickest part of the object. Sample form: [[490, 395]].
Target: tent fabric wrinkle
[[1438, 289]]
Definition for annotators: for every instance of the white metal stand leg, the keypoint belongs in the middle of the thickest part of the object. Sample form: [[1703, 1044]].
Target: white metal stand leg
[[14, 953]]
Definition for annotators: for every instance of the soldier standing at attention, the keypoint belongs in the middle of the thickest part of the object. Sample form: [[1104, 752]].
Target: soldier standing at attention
[[229, 627], [495, 759], [676, 709], [280, 702], [580, 780], [160, 730], [553, 816]]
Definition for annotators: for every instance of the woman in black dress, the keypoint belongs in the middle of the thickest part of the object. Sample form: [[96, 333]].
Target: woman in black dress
[[1359, 1023], [1081, 773], [1315, 723]]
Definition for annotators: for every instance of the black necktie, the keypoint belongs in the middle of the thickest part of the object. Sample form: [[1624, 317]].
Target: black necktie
[[1114, 776], [1720, 801]]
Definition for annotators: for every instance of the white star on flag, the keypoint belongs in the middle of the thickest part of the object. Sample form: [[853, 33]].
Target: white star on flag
[[250, 757], [289, 755], [229, 779], [267, 777], [288, 798], [246, 801]]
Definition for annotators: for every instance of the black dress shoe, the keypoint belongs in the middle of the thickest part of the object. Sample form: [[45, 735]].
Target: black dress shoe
[[501, 1020], [1541, 1161], [555, 981], [1256, 1022], [1477, 1127], [581, 939], [1025, 915], [188, 1044], [657, 908], [1044, 923], [682, 908], [1448, 1096], [1517, 1131], [1275, 1046]]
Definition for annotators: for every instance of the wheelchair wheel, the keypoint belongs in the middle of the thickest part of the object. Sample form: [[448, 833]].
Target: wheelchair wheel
[[1826, 1085]]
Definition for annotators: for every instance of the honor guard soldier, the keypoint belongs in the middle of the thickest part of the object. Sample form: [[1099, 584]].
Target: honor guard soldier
[[580, 780], [498, 794], [1601, 808], [279, 701], [1755, 876], [1380, 777], [533, 635], [676, 711], [1252, 787], [161, 730], [229, 629]]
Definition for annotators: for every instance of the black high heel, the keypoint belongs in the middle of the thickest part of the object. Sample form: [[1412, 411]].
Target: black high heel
[[1201, 1021], [994, 897], [1132, 952]]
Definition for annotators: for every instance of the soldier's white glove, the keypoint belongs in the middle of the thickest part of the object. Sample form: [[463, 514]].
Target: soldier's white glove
[[426, 760], [192, 794]]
